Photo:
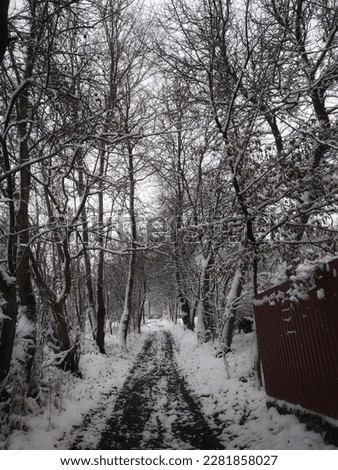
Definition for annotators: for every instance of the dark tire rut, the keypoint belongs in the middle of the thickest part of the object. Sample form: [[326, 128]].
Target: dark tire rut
[[155, 408]]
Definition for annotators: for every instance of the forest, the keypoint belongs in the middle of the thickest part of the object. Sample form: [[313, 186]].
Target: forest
[[167, 159]]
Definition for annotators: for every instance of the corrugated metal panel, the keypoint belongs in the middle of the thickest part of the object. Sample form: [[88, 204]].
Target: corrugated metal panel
[[298, 343]]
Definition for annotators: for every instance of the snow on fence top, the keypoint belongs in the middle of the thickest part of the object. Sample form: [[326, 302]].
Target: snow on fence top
[[300, 284]]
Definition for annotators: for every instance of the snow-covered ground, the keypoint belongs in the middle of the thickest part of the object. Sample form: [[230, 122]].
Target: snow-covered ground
[[232, 405], [73, 398]]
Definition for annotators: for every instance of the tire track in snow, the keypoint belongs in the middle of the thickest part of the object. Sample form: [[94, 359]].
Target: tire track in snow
[[155, 408]]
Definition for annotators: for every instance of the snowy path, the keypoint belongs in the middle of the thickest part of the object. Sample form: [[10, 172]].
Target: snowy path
[[155, 409], [142, 399]]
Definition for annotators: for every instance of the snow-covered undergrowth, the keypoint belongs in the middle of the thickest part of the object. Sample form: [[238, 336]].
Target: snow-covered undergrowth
[[72, 398], [233, 406]]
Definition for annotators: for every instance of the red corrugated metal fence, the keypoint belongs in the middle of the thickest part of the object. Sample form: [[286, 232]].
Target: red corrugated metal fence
[[298, 342]]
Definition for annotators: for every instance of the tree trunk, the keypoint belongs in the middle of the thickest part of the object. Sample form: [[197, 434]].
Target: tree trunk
[[186, 313], [4, 39], [128, 300], [142, 300], [231, 311], [203, 332], [101, 310], [69, 351], [7, 280], [26, 296], [82, 188], [100, 300], [8, 322], [124, 323], [90, 295], [257, 356], [207, 296]]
